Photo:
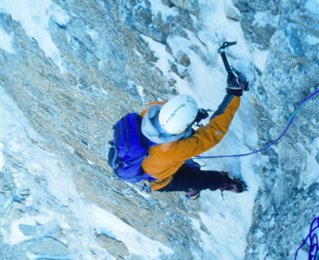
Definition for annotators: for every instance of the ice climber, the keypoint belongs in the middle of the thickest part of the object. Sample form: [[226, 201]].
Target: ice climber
[[168, 127]]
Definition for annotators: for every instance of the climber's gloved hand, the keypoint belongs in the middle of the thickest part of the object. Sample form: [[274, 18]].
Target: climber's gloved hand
[[236, 83], [201, 114]]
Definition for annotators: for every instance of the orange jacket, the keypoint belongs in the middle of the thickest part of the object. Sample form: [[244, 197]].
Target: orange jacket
[[165, 159]]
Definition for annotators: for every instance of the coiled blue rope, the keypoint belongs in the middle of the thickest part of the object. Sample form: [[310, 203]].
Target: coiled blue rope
[[266, 147]]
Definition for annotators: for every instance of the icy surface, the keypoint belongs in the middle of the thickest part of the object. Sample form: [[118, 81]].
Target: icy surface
[[6, 41]]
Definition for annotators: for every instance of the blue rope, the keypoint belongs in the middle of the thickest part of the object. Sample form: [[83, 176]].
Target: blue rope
[[266, 147]]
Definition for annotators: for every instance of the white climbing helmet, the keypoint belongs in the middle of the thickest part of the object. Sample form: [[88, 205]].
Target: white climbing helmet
[[178, 114]]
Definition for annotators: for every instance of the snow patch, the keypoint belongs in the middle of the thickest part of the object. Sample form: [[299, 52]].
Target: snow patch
[[107, 223], [159, 8], [34, 18], [311, 173], [260, 58], [163, 56], [312, 6], [132, 85], [6, 41], [264, 19], [140, 91], [231, 11], [313, 40], [94, 35], [15, 236]]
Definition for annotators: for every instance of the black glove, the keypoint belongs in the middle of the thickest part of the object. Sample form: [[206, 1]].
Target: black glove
[[202, 114], [236, 83]]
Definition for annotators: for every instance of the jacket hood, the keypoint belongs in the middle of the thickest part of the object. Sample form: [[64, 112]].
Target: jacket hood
[[153, 131]]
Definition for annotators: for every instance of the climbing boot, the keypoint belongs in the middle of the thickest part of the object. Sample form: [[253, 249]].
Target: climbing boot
[[233, 184]]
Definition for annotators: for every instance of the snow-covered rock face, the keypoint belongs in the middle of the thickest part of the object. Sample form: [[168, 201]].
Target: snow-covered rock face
[[259, 20], [289, 197], [70, 69]]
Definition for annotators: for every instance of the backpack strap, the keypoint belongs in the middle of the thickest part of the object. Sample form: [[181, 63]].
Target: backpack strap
[[112, 156]]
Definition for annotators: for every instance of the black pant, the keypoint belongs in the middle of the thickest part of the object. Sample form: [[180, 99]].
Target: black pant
[[187, 178]]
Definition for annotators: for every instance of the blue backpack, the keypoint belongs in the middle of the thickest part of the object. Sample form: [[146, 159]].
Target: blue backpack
[[129, 148]]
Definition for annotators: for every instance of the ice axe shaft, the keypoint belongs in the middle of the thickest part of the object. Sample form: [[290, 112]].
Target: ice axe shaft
[[226, 63], [222, 53]]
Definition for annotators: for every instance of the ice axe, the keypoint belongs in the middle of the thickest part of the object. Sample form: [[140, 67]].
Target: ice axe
[[233, 74], [222, 53]]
